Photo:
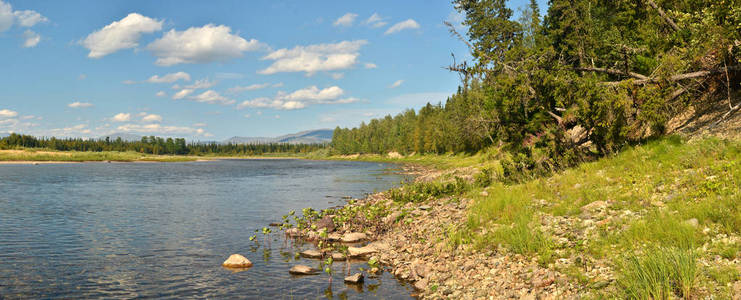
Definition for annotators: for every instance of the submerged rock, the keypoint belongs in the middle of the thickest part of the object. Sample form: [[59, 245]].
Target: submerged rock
[[237, 261], [355, 278], [338, 256], [312, 254], [303, 270], [354, 237]]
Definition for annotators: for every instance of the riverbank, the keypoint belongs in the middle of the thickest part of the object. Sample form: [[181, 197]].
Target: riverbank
[[37, 156], [654, 221]]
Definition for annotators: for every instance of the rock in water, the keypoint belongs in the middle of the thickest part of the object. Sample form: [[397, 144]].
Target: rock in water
[[360, 251], [353, 237], [338, 257], [312, 254], [326, 222], [355, 278], [302, 270], [237, 261]]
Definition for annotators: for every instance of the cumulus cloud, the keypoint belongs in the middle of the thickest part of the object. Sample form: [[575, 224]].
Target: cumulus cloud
[[29, 18], [300, 99], [370, 66], [345, 20], [182, 94], [314, 58], [72, 130], [169, 78], [375, 21], [6, 16], [403, 25], [396, 84], [6, 113], [121, 117], [212, 97], [78, 104], [122, 34], [205, 44], [31, 39], [201, 84], [151, 118], [161, 94]]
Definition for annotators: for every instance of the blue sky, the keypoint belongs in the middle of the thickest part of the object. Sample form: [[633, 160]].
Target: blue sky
[[209, 70]]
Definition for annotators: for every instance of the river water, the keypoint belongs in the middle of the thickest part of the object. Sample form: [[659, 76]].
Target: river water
[[162, 230]]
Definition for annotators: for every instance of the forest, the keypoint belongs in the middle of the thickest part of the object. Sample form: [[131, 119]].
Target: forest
[[584, 80], [153, 145]]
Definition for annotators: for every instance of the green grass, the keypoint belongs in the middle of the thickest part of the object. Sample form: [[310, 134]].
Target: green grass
[[660, 274], [81, 156]]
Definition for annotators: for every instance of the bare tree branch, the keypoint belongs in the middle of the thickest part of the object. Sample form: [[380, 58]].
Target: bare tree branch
[[663, 15]]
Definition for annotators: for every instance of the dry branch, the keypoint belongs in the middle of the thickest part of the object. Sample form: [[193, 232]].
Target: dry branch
[[663, 15]]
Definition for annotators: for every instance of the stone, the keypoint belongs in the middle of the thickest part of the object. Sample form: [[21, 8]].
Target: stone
[[595, 206], [355, 278], [302, 270], [421, 269], [333, 237], [527, 296], [338, 256], [394, 154], [354, 237], [311, 253], [374, 270], [692, 222], [421, 284], [326, 222], [360, 251], [390, 219], [425, 207], [237, 261]]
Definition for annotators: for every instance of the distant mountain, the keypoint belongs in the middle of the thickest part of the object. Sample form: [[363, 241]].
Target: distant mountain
[[128, 137], [318, 136]]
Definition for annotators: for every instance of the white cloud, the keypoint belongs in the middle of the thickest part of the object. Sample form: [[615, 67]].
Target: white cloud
[[314, 58], [161, 129], [227, 75], [6, 16], [201, 84], [403, 25], [299, 99], [121, 117], [396, 84], [257, 86], [370, 66], [205, 44], [29, 18], [212, 97], [152, 118], [182, 94], [31, 38], [345, 20], [78, 104], [6, 113], [169, 78], [161, 94], [375, 21], [122, 34], [80, 129]]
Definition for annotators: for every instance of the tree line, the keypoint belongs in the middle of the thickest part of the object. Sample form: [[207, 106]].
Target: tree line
[[584, 80], [153, 145]]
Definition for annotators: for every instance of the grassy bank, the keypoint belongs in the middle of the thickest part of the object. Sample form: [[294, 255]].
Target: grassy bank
[[39, 155], [658, 220]]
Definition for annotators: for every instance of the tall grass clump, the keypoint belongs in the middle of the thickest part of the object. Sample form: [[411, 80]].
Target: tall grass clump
[[423, 191], [662, 273]]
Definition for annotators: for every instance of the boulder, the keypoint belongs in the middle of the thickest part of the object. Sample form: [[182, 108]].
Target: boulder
[[355, 278], [237, 261], [421, 269], [303, 270], [354, 237], [311, 253], [333, 237], [360, 251], [394, 154], [325, 222]]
